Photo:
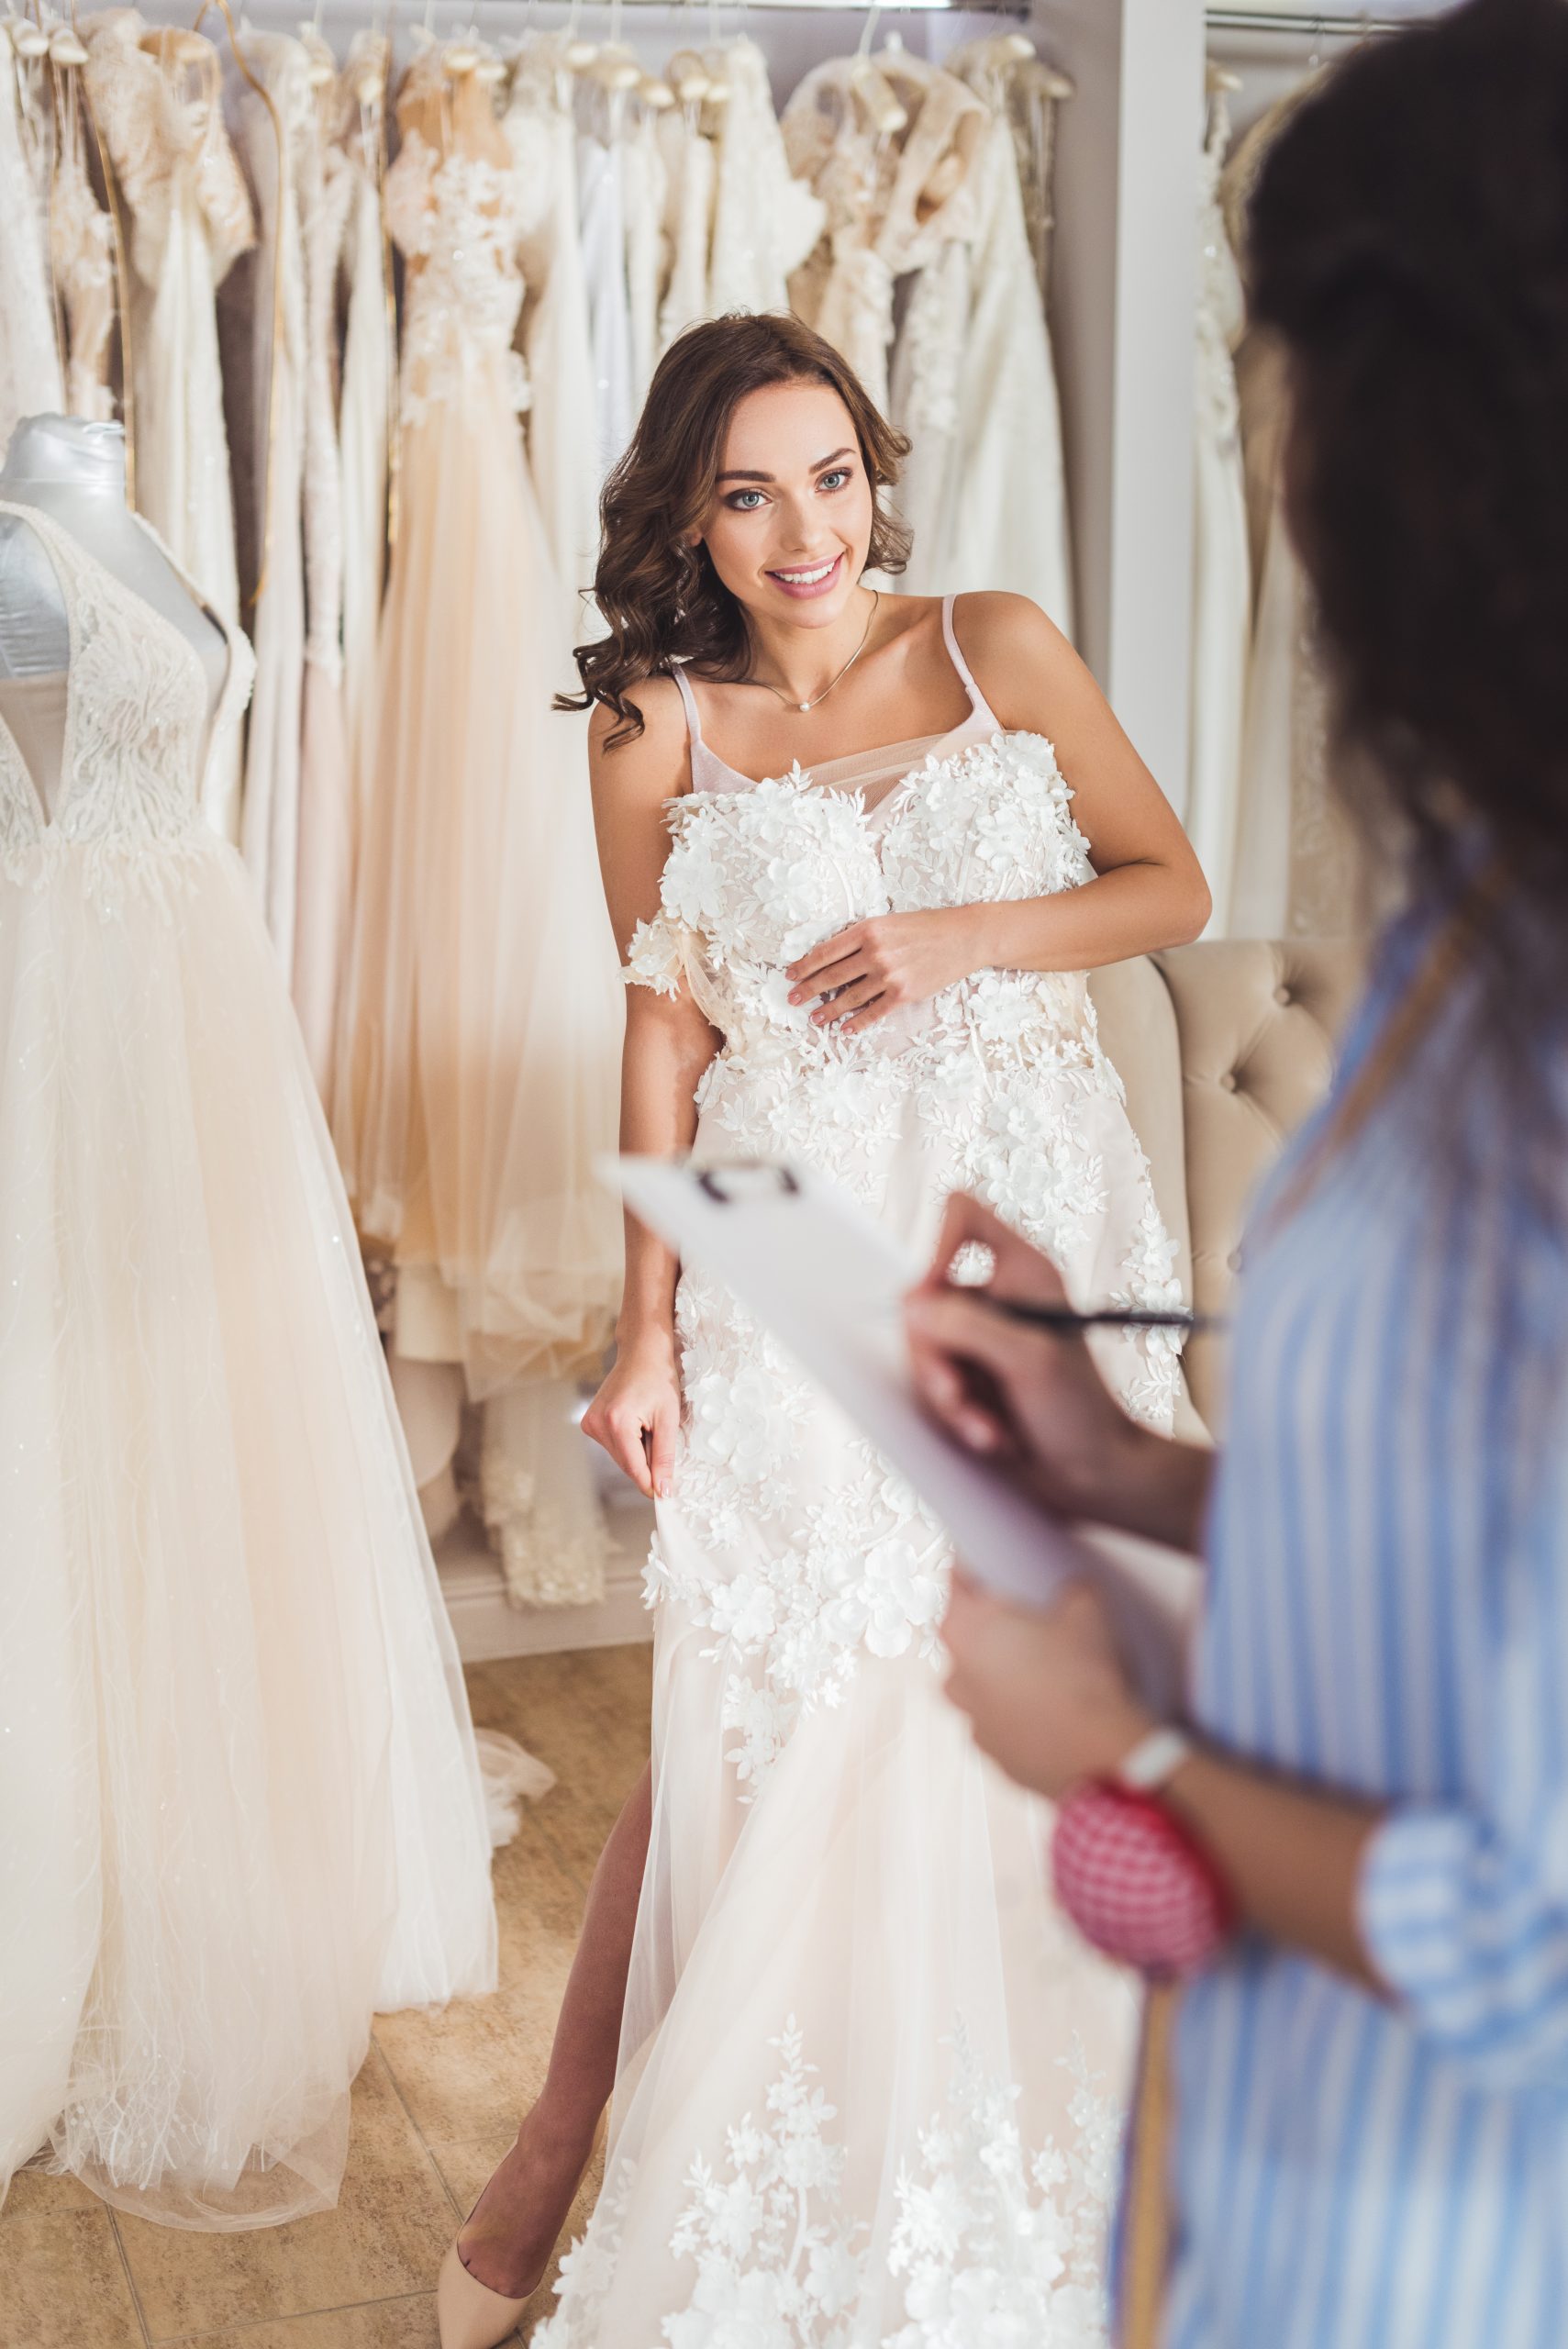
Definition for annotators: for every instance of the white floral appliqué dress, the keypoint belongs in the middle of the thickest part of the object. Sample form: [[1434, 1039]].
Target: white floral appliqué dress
[[871, 2083]]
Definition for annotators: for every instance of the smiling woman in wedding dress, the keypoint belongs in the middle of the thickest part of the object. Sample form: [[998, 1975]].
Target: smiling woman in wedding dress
[[860, 854]]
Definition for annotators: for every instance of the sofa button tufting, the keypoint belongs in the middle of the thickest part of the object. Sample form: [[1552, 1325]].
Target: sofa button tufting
[[1283, 996], [1234, 1261], [1228, 1082]]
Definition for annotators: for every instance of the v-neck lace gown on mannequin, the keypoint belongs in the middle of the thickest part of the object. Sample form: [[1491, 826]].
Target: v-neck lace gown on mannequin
[[241, 1797], [870, 2081]]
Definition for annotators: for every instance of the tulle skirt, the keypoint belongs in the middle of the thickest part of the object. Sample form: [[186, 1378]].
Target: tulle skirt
[[478, 1066], [241, 1799], [871, 2085]]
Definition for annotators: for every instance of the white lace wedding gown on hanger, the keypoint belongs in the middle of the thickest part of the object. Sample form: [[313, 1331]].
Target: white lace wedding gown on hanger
[[1222, 586], [563, 456], [30, 379], [364, 406], [279, 331], [188, 221], [479, 1046], [242, 1803], [871, 2081]]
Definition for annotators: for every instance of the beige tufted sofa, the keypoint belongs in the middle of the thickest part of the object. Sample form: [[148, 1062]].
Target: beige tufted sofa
[[1223, 1047]]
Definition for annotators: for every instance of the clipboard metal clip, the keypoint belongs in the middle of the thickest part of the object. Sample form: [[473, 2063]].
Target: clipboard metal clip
[[730, 1181]]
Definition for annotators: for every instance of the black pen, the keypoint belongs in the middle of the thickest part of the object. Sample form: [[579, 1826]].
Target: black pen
[[1108, 1317]]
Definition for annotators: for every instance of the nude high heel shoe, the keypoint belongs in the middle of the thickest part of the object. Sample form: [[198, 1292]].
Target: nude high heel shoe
[[468, 2314]]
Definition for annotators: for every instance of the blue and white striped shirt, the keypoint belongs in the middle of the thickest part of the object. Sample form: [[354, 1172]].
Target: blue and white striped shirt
[[1388, 1615]]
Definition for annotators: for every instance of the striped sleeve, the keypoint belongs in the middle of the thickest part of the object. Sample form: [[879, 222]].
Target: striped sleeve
[[1464, 1907]]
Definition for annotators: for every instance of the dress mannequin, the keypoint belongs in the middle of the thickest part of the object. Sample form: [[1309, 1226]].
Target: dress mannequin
[[75, 472]]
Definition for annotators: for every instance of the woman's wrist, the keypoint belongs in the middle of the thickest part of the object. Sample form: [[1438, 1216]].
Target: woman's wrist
[[647, 1330], [1115, 1732], [967, 925], [1159, 1489]]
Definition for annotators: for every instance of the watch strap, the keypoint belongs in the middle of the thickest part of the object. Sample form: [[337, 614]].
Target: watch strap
[[1153, 1760]]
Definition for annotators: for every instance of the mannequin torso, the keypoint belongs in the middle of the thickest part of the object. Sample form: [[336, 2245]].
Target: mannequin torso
[[74, 473]]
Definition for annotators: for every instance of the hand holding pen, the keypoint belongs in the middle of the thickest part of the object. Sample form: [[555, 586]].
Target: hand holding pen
[[990, 1364]]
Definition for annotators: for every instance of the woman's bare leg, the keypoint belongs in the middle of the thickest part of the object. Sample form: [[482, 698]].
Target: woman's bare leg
[[509, 2240]]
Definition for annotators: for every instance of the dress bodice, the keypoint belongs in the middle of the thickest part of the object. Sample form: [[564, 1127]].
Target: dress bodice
[[135, 724], [459, 220], [165, 130], [758, 871]]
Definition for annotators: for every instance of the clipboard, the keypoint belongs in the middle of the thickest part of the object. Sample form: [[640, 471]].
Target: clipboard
[[808, 1261]]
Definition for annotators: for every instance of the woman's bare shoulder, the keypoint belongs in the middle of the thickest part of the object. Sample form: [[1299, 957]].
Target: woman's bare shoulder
[[656, 761], [995, 621], [1019, 656]]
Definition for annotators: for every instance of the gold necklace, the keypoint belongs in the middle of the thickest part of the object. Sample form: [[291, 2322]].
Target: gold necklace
[[803, 706]]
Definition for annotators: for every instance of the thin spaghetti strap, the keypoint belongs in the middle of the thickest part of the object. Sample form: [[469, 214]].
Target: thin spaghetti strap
[[982, 713], [950, 637], [694, 723]]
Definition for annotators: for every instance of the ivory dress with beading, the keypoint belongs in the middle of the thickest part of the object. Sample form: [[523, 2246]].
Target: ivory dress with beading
[[870, 2081], [242, 1799]]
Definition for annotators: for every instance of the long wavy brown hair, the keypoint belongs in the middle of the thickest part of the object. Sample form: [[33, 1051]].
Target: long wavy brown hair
[[1408, 241], [661, 598]]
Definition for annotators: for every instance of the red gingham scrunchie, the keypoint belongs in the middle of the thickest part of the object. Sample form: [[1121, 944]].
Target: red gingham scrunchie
[[1136, 1883]]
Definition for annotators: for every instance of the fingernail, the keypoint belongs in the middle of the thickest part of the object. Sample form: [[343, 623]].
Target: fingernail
[[941, 1384], [978, 1432]]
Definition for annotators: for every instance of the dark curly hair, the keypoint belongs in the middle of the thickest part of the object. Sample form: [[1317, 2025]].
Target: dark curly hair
[[662, 600], [1408, 241]]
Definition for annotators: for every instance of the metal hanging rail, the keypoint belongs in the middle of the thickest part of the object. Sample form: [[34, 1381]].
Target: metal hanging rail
[[500, 16], [1302, 25]]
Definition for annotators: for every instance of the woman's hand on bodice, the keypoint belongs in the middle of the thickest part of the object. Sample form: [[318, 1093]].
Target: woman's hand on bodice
[[1033, 1401], [636, 1415], [867, 971]]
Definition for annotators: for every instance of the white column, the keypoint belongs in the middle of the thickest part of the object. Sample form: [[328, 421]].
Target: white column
[[1124, 290]]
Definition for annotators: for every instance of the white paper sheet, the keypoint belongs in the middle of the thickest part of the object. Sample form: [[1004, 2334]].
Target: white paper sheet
[[805, 1258]]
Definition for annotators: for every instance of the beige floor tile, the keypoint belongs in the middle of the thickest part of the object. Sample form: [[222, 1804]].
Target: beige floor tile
[[474, 2068], [377, 2324], [62, 2284], [587, 1715], [385, 2240], [35, 2194], [466, 2167]]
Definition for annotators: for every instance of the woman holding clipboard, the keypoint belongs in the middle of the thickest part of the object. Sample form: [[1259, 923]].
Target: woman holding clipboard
[[1360, 2140]]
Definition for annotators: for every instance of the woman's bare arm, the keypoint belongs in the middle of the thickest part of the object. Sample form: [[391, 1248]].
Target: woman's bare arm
[[1148, 890], [668, 1045]]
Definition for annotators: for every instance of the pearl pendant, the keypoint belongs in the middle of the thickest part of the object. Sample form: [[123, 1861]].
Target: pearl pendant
[[805, 707]]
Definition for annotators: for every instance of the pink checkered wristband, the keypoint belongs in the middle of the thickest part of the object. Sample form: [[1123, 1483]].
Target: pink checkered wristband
[[1136, 1882]]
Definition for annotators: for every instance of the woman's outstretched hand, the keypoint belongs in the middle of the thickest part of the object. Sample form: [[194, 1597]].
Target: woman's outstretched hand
[[636, 1415], [1033, 1400], [891, 959]]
